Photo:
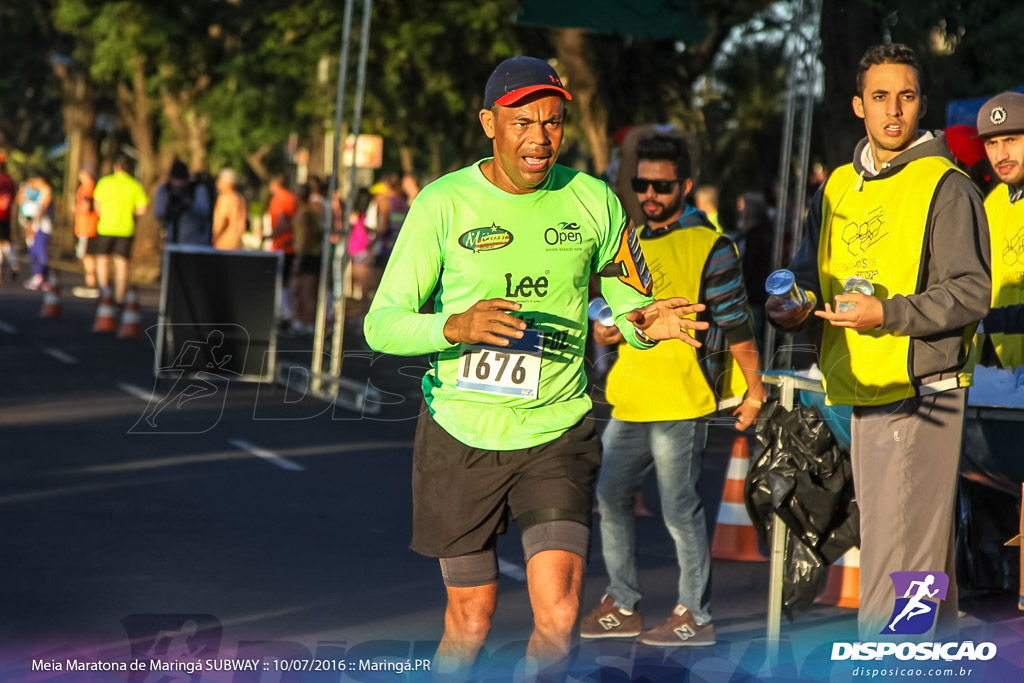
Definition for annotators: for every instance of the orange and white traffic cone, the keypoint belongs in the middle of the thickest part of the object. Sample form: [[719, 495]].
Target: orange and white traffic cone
[[131, 319], [842, 588], [51, 298], [106, 314], [735, 536]]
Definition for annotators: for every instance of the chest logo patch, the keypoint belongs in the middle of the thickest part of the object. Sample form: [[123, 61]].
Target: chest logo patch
[[485, 239]]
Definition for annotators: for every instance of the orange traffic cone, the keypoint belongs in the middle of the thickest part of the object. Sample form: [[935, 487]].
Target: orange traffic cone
[[735, 537], [51, 299], [106, 314], [843, 586], [131, 319]]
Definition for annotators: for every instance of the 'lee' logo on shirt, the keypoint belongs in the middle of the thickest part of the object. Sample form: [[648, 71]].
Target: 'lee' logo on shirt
[[526, 287]]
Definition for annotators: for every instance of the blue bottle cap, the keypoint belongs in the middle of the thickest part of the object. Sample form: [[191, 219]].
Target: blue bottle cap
[[780, 282]]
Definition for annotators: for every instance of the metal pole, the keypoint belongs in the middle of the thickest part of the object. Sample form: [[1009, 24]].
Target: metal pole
[[809, 73], [785, 159], [341, 256], [316, 363]]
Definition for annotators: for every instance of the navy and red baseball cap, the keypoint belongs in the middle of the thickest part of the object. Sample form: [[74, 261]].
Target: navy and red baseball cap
[[517, 77]]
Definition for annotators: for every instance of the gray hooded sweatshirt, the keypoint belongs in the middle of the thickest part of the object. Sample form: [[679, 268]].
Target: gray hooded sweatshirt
[[954, 281]]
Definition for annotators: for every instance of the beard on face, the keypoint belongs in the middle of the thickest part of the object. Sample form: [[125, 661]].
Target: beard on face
[[661, 211]]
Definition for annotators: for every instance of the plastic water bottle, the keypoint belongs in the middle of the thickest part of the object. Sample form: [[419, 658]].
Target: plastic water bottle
[[782, 283], [854, 284], [599, 311]]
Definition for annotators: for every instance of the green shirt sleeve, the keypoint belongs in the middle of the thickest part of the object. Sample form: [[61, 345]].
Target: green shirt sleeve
[[625, 279], [394, 324]]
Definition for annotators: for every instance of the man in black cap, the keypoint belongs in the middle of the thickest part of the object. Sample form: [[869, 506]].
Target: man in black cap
[[1001, 124], [504, 250]]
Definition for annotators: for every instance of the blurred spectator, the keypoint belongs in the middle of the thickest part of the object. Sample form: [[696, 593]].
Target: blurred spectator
[[705, 198], [410, 186], [282, 235], [360, 247], [392, 206], [308, 249], [7, 193], [230, 218], [184, 206], [754, 239], [317, 200], [86, 219], [35, 214], [119, 199]]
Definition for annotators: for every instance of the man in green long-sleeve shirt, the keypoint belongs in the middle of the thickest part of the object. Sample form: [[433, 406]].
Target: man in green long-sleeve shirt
[[504, 249]]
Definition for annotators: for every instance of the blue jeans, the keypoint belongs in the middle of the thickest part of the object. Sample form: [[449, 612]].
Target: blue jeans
[[675, 450]]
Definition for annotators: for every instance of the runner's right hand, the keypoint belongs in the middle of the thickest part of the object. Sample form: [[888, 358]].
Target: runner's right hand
[[488, 321]]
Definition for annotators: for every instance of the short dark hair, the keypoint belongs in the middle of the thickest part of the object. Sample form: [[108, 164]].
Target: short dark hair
[[666, 148], [888, 53], [122, 161]]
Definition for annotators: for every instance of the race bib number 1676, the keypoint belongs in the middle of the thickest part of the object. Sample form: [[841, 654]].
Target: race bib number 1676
[[512, 370]]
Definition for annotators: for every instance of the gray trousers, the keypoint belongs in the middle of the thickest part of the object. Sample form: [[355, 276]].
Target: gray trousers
[[906, 457]]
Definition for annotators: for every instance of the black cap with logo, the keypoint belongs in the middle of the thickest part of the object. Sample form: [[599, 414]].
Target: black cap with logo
[[517, 77]]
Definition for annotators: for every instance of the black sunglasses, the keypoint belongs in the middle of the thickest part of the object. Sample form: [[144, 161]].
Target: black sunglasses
[[660, 186]]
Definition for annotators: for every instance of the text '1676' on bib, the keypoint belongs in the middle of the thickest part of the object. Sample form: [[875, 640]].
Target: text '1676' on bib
[[512, 370]]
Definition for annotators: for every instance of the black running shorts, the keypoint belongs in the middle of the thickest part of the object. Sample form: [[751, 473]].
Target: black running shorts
[[110, 245], [463, 497]]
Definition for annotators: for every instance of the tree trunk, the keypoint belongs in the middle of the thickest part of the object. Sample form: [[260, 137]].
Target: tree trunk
[[133, 105], [79, 108], [255, 161], [317, 149], [174, 116], [576, 61], [408, 160], [434, 147], [198, 138]]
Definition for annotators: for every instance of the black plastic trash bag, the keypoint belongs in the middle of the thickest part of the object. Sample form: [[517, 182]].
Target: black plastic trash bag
[[986, 518], [804, 477]]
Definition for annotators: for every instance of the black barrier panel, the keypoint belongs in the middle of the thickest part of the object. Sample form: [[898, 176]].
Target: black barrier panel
[[218, 314]]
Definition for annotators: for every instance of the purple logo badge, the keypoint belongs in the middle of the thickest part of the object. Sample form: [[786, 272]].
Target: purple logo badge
[[917, 600]]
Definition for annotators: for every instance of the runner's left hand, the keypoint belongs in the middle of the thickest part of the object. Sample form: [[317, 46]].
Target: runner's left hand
[[663, 319]]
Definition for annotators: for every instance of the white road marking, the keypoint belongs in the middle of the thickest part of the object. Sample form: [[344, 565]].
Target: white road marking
[[512, 571], [7, 328], [135, 391], [62, 356], [269, 456]]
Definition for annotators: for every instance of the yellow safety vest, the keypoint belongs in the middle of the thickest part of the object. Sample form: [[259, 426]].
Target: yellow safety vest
[[1006, 226], [668, 382], [874, 229]]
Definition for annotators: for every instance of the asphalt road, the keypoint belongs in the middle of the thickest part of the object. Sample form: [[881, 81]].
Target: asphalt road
[[253, 522]]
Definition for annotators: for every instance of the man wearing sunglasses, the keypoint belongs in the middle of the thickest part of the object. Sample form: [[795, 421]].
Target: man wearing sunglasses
[[504, 250], [661, 402]]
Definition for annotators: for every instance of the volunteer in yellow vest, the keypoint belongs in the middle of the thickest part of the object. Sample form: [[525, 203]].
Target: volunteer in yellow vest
[[662, 398], [1001, 124], [119, 199], [905, 219]]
